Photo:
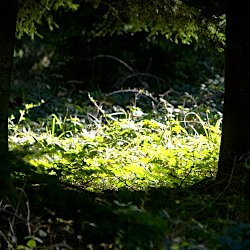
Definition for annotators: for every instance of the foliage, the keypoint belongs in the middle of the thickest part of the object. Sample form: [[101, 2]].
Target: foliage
[[126, 171], [130, 176], [111, 148], [123, 220], [179, 21], [33, 13], [155, 63], [21, 230]]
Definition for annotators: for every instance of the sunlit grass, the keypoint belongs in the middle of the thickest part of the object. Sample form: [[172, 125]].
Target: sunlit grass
[[94, 147], [166, 147]]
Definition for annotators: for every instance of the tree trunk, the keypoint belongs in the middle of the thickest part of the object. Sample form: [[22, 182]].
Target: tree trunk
[[234, 160], [8, 17]]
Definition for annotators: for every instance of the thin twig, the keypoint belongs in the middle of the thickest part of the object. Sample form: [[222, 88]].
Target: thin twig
[[116, 59], [7, 241], [137, 74], [28, 218], [136, 91], [183, 180], [121, 62]]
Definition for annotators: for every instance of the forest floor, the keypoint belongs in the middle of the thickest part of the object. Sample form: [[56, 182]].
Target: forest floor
[[50, 215], [97, 172]]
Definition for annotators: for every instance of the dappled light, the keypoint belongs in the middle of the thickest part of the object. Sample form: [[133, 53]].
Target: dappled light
[[99, 149], [123, 125]]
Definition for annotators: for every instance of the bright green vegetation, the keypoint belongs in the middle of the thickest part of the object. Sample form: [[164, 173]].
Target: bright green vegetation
[[111, 148], [130, 169], [93, 174]]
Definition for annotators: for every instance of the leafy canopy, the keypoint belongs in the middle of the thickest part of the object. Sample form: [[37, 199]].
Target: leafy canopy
[[33, 13], [180, 21]]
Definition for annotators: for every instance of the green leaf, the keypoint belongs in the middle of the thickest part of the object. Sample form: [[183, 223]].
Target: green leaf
[[31, 243]]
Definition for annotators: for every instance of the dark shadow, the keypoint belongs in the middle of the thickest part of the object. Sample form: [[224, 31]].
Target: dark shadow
[[150, 219]]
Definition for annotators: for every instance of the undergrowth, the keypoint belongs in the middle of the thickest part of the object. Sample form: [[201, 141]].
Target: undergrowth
[[118, 176], [99, 149]]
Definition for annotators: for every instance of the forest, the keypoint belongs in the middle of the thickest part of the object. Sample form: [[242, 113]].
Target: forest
[[124, 125]]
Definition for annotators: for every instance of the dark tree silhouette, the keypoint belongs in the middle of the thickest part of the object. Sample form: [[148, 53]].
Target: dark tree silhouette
[[7, 41], [234, 162]]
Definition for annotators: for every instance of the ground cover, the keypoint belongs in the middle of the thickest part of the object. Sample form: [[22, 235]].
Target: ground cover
[[94, 174]]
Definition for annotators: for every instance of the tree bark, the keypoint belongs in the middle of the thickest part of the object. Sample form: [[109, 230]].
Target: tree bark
[[234, 160], [8, 17]]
